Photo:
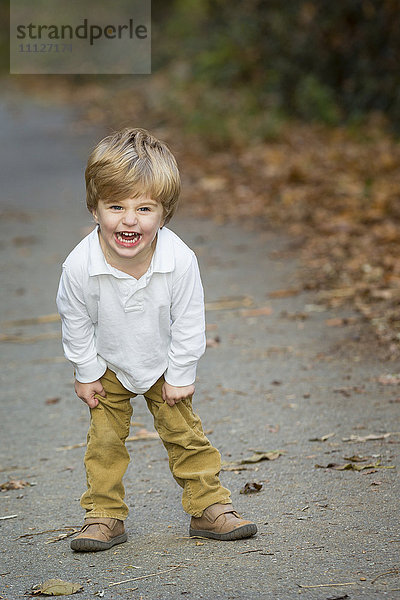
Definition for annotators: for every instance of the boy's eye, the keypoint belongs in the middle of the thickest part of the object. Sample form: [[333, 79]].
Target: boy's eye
[[116, 207], [144, 208]]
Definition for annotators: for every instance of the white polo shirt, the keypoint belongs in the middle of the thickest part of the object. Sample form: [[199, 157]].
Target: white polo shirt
[[139, 328]]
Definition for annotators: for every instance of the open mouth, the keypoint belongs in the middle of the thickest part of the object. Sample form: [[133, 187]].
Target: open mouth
[[127, 238]]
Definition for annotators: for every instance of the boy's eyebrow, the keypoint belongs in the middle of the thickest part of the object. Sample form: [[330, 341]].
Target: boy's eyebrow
[[144, 201]]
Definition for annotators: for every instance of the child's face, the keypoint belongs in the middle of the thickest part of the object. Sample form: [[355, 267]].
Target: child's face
[[128, 229]]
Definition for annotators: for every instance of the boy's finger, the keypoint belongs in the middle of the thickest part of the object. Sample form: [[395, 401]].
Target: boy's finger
[[92, 402]]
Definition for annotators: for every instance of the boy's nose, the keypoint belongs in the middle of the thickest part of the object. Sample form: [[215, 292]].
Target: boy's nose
[[130, 218]]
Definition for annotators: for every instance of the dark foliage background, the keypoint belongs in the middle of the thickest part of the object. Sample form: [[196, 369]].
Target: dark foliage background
[[314, 59]]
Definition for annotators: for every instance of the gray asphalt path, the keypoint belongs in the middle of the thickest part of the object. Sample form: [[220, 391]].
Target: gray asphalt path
[[272, 379]]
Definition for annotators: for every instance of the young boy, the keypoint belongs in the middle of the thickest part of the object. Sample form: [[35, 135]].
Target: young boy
[[132, 310]]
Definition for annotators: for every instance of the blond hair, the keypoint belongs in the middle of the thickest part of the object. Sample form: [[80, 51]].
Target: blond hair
[[131, 163]]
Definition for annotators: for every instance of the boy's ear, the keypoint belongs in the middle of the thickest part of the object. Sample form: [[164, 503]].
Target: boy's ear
[[94, 213]]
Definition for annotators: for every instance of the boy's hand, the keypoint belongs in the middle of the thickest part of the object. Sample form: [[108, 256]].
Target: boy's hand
[[86, 392], [172, 394]]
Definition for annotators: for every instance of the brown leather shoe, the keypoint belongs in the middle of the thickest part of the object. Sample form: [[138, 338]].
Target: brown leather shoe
[[221, 522], [99, 534]]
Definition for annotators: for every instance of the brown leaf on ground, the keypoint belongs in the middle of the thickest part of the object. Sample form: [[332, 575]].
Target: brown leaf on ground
[[226, 466], [251, 487], [388, 379], [55, 587], [344, 391], [28, 339], [54, 400], [284, 293], [296, 316], [14, 484], [259, 456], [367, 438], [340, 322], [256, 312], [52, 318], [213, 342], [356, 458], [323, 438], [353, 467], [229, 303], [273, 428]]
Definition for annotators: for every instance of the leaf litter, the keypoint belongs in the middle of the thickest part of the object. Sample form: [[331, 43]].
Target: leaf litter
[[251, 487], [352, 466], [68, 531], [14, 484], [323, 438], [55, 587], [258, 456], [370, 437]]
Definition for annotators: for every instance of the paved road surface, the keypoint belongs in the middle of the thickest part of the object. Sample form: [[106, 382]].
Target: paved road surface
[[275, 380]]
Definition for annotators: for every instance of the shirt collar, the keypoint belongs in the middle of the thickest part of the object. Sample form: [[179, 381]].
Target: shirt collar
[[163, 260]]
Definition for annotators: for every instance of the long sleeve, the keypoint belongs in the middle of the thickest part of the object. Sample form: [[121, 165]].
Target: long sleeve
[[188, 339], [78, 334]]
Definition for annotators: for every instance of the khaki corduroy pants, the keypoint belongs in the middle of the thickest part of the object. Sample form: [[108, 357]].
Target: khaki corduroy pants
[[194, 462]]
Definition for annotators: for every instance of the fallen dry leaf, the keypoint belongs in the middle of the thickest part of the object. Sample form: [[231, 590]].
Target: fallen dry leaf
[[353, 467], [389, 379], [233, 467], [251, 487], [213, 342], [71, 446], [273, 428], [344, 391], [259, 456], [52, 400], [52, 318], [340, 321], [323, 438], [296, 316], [230, 303], [367, 438], [356, 458], [256, 312], [56, 587], [19, 339], [284, 293], [14, 484]]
